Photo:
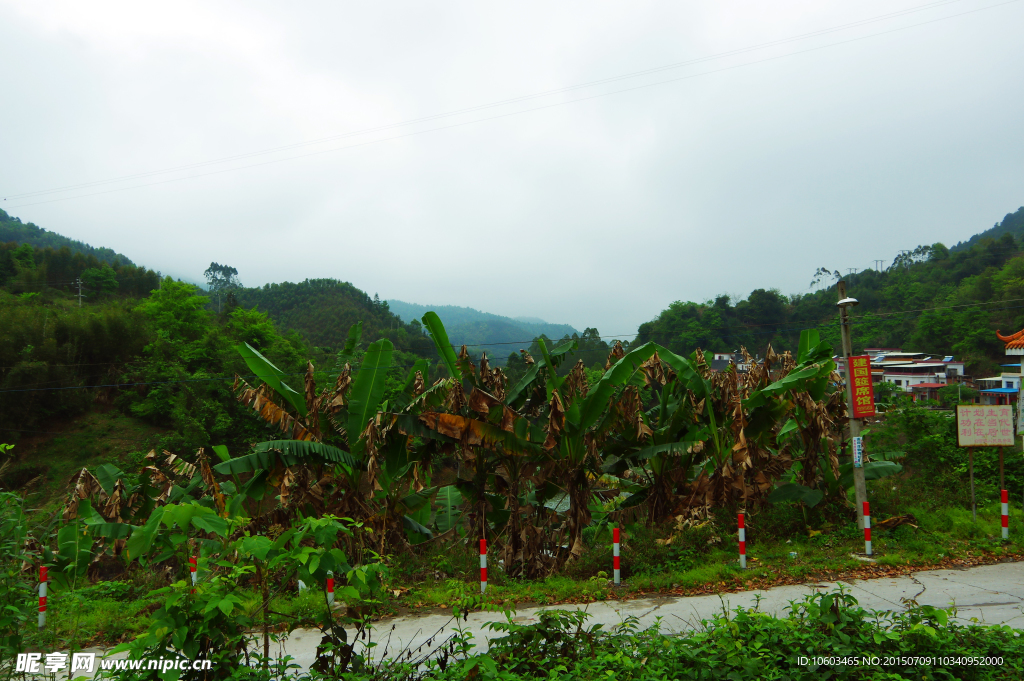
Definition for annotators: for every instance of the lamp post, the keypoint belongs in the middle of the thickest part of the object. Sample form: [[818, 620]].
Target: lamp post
[[844, 305]]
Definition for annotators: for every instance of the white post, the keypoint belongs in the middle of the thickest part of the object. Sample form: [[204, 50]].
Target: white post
[[743, 542], [483, 565], [42, 597], [1006, 514], [616, 574], [867, 529]]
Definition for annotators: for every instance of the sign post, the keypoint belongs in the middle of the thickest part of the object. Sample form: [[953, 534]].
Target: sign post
[[970, 471], [858, 406], [1002, 481], [983, 426]]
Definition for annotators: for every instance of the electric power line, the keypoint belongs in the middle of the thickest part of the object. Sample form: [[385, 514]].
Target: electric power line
[[479, 107], [488, 118]]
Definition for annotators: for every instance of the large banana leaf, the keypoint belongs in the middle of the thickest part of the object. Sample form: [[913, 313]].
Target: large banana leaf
[[636, 498], [256, 487], [140, 543], [410, 424], [288, 452], [222, 452], [520, 391], [111, 530], [355, 333], [271, 375], [74, 551], [368, 388], [107, 475], [811, 348], [444, 346], [415, 527], [670, 447], [474, 432], [423, 367], [414, 501], [792, 491], [448, 515], [873, 470], [619, 375], [810, 374]]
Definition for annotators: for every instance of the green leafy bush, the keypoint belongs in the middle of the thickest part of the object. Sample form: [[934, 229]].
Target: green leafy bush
[[742, 644], [16, 586]]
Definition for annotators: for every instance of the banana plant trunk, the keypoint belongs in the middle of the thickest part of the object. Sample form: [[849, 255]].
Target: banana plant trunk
[[578, 516]]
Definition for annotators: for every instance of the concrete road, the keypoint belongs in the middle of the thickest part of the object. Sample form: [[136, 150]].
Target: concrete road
[[990, 594]]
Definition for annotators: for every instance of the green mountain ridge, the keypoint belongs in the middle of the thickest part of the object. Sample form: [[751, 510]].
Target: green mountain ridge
[[1012, 223], [931, 299], [13, 229], [323, 310], [484, 330]]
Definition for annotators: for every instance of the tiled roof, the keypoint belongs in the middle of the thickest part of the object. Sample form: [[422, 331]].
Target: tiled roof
[[1014, 341]]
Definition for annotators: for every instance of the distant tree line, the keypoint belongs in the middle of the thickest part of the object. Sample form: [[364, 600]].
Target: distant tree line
[[324, 309], [13, 229], [28, 269], [930, 299]]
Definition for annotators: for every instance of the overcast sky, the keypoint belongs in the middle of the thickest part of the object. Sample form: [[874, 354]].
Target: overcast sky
[[749, 162]]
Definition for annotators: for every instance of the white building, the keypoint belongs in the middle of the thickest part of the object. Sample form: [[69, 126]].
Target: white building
[[1001, 389], [908, 369]]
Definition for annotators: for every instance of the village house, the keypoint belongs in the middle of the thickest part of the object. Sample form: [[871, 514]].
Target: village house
[[916, 373]]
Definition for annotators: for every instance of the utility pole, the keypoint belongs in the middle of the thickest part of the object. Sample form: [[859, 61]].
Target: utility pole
[[878, 265], [79, 282], [844, 304]]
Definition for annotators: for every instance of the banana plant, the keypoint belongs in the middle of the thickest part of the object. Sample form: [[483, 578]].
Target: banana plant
[[578, 418], [314, 458], [804, 409], [832, 486], [495, 444]]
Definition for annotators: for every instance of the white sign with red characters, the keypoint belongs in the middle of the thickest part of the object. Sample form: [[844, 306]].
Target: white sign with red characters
[[984, 425]]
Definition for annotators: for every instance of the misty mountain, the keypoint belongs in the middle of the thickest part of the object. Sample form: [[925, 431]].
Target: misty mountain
[[499, 335], [13, 229], [1012, 224]]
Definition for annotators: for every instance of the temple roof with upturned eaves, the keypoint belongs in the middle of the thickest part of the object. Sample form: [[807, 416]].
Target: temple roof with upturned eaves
[[1014, 342]]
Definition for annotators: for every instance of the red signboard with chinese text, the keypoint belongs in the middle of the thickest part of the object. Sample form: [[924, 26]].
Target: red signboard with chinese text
[[859, 372], [984, 426]]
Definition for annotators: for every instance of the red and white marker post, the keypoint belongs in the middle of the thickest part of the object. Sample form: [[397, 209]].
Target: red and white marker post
[[867, 529], [743, 541], [616, 575], [330, 590], [42, 597], [192, 565], [483, 565], [1006, 514]]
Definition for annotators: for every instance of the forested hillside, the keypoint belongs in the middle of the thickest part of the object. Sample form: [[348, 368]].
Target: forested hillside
[[930, 300], [165, 352], [1012, 224], [12, 229], [29, 270], [322, 310], [479, 329]]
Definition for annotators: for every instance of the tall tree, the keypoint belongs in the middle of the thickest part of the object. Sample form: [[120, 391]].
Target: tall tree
[[220, 279]]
